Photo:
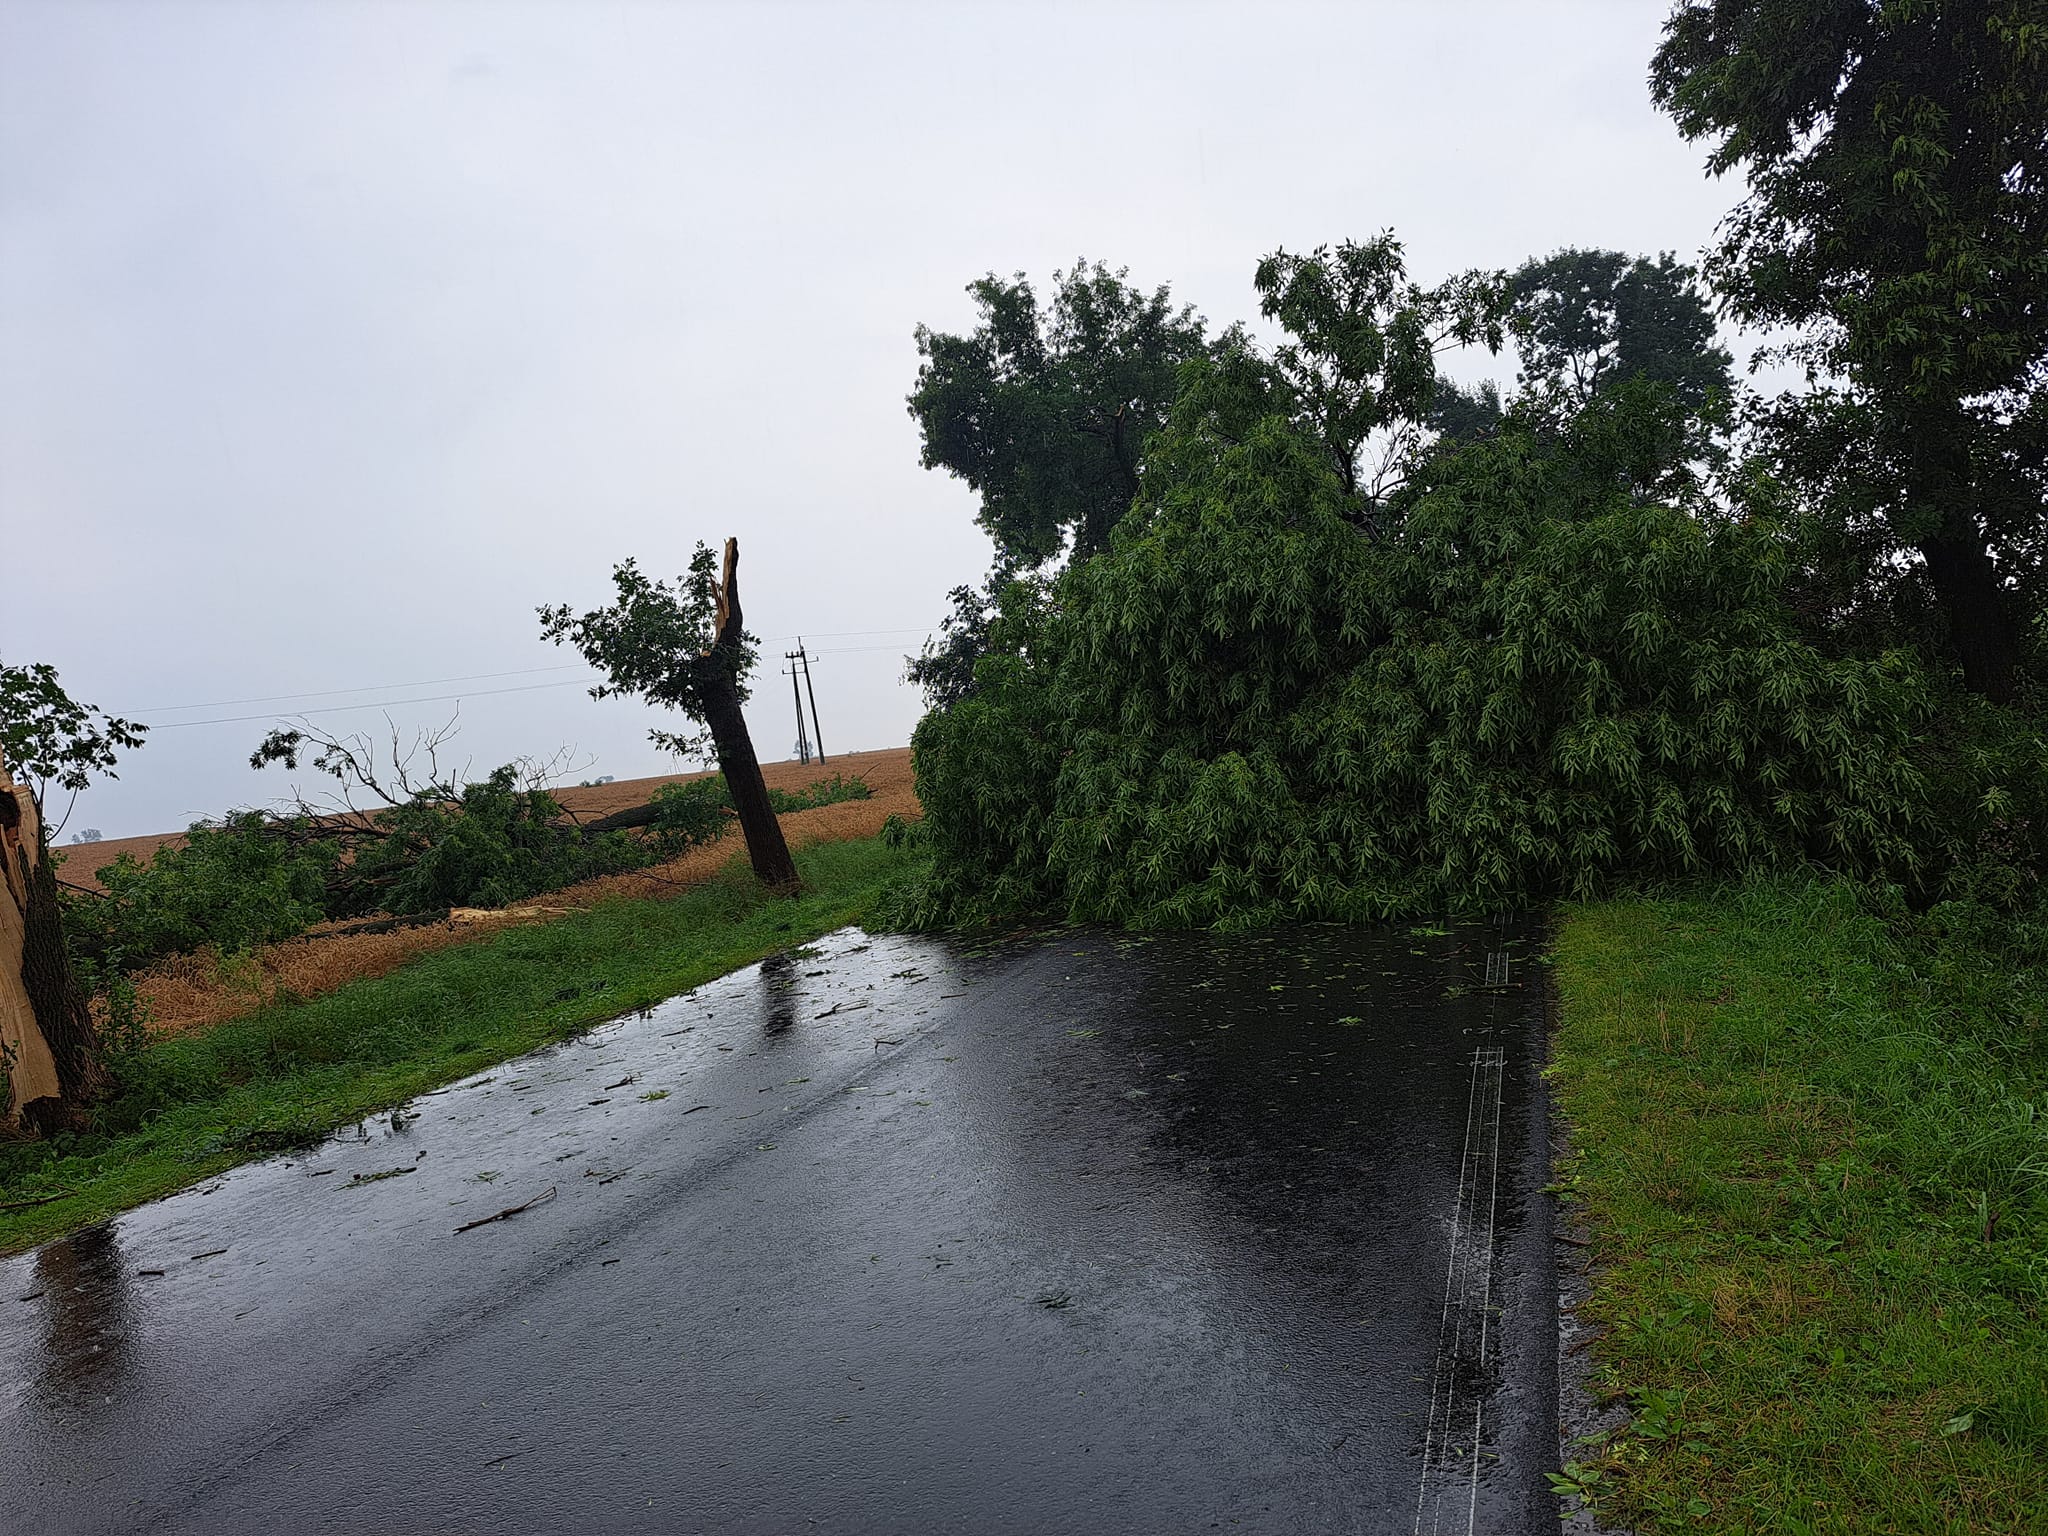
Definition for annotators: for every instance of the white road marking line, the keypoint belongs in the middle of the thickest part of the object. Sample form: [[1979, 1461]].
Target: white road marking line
[[1468, 1294]]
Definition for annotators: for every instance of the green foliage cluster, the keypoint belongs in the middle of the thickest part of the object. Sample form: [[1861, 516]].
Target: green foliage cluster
[[657, 641], [251, 878], [1896, 222], [700, 810], [1366, 641], [1536, 683], [833, 791], [240, 881], [1045, 410], [492, 845], [691, 813], [47, 737]]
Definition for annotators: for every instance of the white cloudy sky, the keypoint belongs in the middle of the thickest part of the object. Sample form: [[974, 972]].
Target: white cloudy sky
[[338, 336]]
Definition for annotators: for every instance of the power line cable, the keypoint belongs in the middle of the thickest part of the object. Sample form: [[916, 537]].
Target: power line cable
[[437, 698], [847, 634], [855, 650], [470, 677], [328, 693]]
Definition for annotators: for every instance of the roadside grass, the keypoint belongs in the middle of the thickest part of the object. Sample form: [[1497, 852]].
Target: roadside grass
[[285, 1076], [1811, 1146]]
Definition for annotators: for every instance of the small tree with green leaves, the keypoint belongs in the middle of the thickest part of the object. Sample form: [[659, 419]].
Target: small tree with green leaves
[[1586, 321], [685, 646], [50, 740]]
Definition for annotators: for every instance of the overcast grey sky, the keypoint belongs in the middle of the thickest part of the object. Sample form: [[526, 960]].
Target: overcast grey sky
[[338, 336]]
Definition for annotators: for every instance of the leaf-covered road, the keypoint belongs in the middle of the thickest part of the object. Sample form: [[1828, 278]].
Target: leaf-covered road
[[1089, 1233]]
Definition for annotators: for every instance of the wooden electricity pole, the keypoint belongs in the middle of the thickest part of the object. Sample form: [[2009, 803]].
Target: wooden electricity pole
[[803, 740], [803, 658]]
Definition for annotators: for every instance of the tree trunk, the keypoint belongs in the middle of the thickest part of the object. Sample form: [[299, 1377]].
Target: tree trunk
[[1973, 604], [618, 821], [45, 1021], [765, 846], [1959, 565], [721, 694]]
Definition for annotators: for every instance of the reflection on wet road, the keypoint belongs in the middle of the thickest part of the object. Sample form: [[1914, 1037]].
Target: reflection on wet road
[[1086, 1233]]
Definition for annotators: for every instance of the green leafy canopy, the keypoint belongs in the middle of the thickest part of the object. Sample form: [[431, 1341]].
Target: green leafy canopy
[[49, 737], [1536, 683], [655, 640], [1045, 410]]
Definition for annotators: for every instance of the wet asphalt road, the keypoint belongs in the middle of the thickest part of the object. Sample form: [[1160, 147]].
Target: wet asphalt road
[[1084, 1234]]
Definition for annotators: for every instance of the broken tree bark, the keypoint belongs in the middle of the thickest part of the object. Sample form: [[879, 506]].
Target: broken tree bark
[[633, 816], [50, 1048], [735, 748]]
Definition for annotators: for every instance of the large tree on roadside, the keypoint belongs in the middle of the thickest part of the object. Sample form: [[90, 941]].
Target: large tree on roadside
[[686, 647], [49, 740], [1897, 159], [1044, 409]]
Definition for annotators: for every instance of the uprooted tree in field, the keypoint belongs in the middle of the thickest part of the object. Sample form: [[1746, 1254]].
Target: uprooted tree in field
[[50, 1053], [686, 646], [400, 834]]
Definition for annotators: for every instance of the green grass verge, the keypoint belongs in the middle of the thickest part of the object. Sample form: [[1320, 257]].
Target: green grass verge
[[291, 1073], [1812, 1148]]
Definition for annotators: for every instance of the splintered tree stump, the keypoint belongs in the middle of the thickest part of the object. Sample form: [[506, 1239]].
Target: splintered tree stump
[[766, 849], [48, 1045]]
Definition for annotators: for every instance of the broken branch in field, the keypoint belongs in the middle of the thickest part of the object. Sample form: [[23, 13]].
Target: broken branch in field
[[510, 1211]]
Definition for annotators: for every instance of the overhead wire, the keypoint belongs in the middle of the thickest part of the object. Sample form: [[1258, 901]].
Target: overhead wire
[[328, 693], [467, 677], [429, 682], [342, 709]]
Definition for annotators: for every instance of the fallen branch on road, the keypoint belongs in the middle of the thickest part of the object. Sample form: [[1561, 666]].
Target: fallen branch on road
[[511, 1210]]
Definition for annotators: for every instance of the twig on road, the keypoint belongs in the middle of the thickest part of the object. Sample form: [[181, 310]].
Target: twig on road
[[511, 1210]]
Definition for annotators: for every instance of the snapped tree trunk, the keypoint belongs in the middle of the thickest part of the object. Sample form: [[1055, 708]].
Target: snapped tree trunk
[[1973, 602], [721, 695], [54, 1066]]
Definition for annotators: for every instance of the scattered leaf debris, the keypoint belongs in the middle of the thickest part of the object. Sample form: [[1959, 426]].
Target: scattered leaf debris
[[375, 1178]]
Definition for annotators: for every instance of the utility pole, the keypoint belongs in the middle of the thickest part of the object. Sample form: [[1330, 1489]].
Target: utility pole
[[817, 730], [803, 740]]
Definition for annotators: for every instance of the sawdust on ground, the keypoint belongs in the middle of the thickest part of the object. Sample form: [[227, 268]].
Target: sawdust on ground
[[192, 992]]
